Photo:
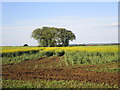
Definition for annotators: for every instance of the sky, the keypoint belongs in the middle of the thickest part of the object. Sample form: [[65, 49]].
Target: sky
[[91, 22]]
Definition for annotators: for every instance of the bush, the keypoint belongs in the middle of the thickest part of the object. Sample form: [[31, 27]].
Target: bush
[[25, 45], [49, 53], [59, 53]]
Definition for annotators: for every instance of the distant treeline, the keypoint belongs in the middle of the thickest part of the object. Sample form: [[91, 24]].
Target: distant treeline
[[94, 44]]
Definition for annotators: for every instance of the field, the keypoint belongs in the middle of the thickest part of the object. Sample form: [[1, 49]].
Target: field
[[60, 67]]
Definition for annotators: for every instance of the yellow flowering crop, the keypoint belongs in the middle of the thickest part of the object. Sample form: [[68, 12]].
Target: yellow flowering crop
[[110, 48]]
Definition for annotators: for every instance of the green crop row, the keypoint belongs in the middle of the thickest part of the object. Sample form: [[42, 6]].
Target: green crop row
[[15, 57], [53, 84], [48, 53], [14, 54], [82, 57]]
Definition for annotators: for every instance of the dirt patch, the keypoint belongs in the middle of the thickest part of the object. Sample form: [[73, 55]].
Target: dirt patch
[[32, 69]]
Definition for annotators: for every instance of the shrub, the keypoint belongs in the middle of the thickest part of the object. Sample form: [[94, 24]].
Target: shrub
[[25, 45], [59, 53]]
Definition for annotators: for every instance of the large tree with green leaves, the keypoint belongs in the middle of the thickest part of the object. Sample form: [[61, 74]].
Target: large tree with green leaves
[[51, 36]]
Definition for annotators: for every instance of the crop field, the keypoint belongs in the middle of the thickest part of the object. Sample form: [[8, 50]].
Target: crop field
[[61, 67]]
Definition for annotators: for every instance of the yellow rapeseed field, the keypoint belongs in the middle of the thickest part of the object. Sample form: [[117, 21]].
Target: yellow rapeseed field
[[110, 48]]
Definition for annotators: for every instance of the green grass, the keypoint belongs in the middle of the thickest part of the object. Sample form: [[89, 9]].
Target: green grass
[[52, 84]]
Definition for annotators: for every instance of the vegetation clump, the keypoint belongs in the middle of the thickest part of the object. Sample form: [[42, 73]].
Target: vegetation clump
[[53, 37], [25, 45]]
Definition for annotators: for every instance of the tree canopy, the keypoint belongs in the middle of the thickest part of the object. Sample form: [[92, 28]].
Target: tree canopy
[[52, 37]]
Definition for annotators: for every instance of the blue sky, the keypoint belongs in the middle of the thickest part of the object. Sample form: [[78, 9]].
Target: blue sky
[[91, 22]]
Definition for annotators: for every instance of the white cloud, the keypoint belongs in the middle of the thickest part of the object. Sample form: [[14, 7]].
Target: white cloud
[[115, 24], [87, 30]]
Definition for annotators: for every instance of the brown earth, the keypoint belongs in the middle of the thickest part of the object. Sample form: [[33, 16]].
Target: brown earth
[[49, 69]]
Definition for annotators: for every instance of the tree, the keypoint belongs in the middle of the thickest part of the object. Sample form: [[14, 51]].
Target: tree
[[66, 36], [51, 36]]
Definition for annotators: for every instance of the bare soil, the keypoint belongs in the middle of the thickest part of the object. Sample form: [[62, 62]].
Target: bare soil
[[42, 69]]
